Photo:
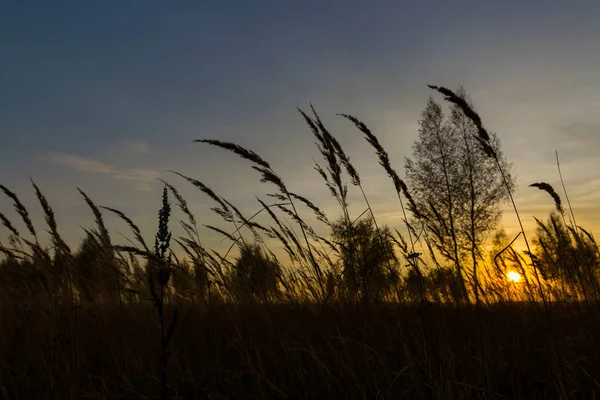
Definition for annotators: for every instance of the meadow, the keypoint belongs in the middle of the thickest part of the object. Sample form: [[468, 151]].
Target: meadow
[[441, 307]]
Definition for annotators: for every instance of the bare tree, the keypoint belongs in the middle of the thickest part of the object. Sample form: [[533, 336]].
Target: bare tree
[[456, 187]]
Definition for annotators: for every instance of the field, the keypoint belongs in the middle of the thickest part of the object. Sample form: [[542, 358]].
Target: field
[[302, 351], [436, 308]]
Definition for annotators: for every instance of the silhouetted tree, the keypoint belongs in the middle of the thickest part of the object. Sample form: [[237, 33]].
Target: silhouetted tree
[[366, 257], [190, 281], [458, 190], [443, 285], [255, 274], [97, 273]]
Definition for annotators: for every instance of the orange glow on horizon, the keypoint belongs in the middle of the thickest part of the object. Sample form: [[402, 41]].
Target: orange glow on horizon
[[513, 276]]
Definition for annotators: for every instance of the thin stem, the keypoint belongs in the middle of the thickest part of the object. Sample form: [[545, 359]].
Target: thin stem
[[576, 235], [535, 271], [315, 266], [163, 356], [565, 190], [412, 260]]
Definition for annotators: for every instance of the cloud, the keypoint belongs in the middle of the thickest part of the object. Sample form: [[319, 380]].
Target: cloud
[[80, 163], [141, 177]]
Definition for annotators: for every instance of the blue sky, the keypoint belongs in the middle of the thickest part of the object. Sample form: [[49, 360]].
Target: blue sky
[[108, 95]]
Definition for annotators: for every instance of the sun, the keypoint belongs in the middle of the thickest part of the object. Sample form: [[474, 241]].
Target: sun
[[513, 276]]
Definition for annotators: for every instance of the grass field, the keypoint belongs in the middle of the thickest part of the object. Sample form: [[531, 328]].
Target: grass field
[[366, 312]]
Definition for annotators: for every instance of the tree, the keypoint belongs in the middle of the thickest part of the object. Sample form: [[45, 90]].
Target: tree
[[255, 274], [190, 280], [444, 286], [366, 257], [457, 188], [97, 272]]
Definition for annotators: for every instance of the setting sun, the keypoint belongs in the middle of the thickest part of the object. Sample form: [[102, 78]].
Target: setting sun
[[513, 276]]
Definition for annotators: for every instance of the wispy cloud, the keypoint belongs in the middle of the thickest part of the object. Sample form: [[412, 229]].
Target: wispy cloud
[[80, 163], [142, 177]]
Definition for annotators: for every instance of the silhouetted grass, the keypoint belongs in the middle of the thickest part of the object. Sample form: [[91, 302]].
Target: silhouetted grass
[[301, 351], [110, 321]]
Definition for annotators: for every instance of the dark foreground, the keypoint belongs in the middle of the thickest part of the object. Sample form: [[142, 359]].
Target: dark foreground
[[302, 352]]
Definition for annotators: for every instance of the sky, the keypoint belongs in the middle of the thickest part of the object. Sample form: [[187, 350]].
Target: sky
[[108, 96]]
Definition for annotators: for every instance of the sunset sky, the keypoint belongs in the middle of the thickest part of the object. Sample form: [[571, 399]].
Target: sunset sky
[[108, 95]]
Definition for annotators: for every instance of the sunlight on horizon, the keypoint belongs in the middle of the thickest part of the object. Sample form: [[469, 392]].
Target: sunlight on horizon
[[514, 276]]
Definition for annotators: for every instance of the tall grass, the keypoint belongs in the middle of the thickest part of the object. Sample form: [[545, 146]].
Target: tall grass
[[111, 321]]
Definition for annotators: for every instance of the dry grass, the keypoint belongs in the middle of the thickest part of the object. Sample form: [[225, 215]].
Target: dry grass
[[302, 351], [82, 324]]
